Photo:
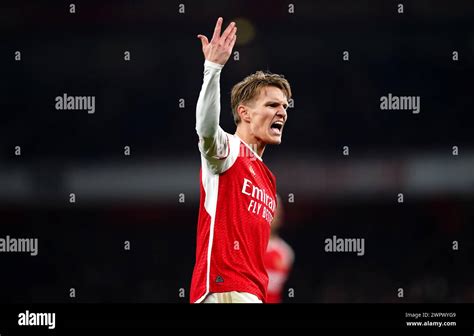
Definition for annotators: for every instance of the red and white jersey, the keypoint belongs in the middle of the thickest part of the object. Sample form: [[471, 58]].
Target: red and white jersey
[[237, 205], [279, 260]]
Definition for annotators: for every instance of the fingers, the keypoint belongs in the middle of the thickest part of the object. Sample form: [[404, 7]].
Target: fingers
[[232, 43], [226, 33], [204, 40], [230, 37], [217, 30]]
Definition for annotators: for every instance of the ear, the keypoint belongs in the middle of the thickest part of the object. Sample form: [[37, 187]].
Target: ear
[[244, 113]]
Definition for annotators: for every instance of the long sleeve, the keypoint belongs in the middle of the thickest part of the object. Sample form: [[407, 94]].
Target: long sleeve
[[208, 105], [213, 141]]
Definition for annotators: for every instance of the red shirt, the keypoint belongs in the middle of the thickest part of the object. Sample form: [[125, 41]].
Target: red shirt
[[235, 212], [278, 261]]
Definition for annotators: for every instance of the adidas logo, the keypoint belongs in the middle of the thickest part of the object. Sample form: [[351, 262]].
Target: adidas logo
[[219, 279]]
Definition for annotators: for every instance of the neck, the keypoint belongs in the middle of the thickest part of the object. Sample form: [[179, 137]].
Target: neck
[[251, 140]]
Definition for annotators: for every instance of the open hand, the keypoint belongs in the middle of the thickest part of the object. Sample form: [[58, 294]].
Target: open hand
[[220, 47]]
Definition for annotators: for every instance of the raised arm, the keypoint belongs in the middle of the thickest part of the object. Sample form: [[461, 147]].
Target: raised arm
[[212, 139]]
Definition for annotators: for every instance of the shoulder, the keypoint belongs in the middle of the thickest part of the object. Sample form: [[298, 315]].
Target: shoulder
[[228, 151]]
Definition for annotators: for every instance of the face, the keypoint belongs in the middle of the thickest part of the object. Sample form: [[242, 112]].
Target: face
[[267, 116]]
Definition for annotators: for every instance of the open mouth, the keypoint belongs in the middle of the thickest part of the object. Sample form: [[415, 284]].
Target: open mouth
[[276, 127]]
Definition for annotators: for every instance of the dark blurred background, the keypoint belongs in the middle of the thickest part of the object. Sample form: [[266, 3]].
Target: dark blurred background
[[139, 197]]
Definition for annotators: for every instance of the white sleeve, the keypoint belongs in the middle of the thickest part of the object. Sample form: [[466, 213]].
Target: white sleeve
[[213, 141]]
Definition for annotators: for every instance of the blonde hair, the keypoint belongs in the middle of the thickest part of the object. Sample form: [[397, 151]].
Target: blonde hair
[[250, 87]]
